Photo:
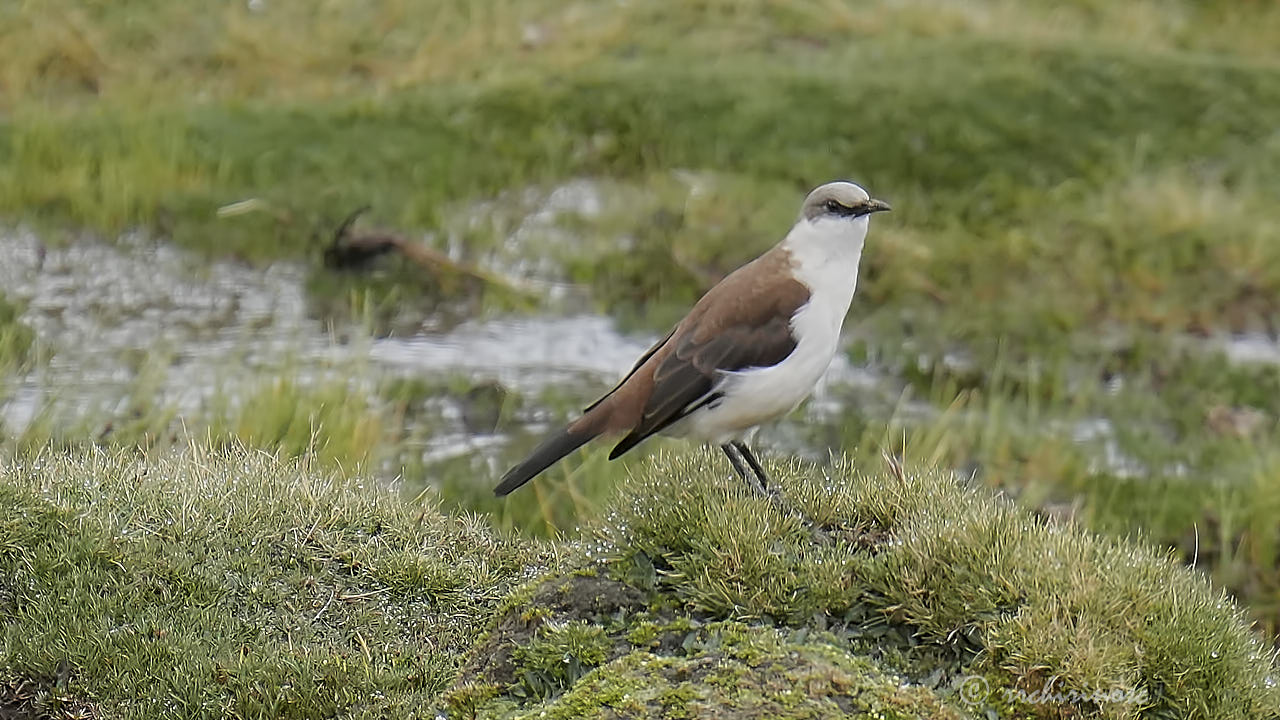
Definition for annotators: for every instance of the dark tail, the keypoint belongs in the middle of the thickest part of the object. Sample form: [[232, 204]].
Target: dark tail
[[552, 449]]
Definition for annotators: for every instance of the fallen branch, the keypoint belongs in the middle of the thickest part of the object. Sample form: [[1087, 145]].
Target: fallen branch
[[352, 250]]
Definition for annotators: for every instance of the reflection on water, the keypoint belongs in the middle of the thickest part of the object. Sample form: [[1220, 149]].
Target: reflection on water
[[523, 353]]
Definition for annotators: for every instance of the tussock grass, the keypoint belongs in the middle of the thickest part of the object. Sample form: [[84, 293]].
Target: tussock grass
[[953, 566], [231, 583], [329, 420], [554, 505]]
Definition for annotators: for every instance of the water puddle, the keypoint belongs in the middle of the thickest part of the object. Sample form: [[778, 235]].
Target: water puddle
[[526, 354], [1248, 348], [107, 311], [136, 315], [112, 314]]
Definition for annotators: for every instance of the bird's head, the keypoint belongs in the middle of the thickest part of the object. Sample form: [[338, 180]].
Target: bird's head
[[840, 201]]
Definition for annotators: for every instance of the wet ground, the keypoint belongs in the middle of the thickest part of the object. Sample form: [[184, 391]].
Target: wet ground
[[138, 317], [113, 320]]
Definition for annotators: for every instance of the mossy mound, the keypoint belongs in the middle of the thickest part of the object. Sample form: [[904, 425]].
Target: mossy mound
[[881, 594], [216, 583], [585, 645], [228, 583]]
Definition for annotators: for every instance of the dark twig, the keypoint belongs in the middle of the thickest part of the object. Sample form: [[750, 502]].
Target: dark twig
[[352, 250]]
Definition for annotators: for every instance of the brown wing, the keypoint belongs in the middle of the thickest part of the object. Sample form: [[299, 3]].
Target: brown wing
[[639, 363], [743, 322]]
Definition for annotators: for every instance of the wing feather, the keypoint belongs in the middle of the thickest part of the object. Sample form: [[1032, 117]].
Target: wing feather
[[688, 377], [639, 363]]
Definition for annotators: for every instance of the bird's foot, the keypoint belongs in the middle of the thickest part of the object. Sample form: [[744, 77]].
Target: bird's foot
[[741, 457]]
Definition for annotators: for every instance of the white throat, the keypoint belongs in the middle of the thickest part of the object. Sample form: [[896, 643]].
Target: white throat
[[824, 256]]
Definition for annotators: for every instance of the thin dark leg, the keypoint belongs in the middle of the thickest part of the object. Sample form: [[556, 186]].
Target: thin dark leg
[[774, 493], [731, 451], [745, 451], [734, 460]]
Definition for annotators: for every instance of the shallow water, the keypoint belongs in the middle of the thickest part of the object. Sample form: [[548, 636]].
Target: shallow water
[[136, 316], [1248, 348], [526, 353], [112, 315], [105, 311]]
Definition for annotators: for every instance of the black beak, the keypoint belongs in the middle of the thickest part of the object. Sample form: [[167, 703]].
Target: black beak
[[871, 206]]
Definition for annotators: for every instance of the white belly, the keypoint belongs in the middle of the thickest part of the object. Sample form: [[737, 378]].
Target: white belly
[[758, 395]]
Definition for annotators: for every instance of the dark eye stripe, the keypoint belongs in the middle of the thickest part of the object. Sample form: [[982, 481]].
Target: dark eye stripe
[[833, 206]]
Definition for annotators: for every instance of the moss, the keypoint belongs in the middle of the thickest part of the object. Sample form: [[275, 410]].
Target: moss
[[519, 635], [219, 574], [644, 634], [558, 655], [747, 672], [869, 575]]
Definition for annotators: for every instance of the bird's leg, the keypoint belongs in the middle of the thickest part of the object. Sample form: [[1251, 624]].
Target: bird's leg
[[734, 460], [756, 468], [774, 492], [731, 451]]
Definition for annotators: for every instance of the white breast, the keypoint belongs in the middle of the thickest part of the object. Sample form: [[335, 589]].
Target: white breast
[[824, 256]]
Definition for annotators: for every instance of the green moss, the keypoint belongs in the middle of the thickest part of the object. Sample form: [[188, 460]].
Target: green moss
[[951, 567], [644, 634], [785, 681], [558, 655], [216, 575], [735, 670]]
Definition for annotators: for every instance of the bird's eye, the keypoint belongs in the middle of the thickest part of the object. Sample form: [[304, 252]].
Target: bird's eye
[[834, 207]]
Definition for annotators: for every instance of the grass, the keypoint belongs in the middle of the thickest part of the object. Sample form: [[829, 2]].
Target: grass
[[1083, 200], [208, 582], [217, 583], [915, 574], [16, 339], [328, 419], [1139, 169]]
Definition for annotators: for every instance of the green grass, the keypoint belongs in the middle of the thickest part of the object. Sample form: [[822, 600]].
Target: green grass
[[329, 419], [222, 583], [1081, 190], [16, 339], [928, 575], [211, 582]]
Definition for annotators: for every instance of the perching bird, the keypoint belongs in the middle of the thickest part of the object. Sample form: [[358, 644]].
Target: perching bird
[[748, 352]]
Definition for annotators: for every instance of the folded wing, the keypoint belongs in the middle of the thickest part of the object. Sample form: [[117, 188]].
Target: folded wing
[[688, 378]]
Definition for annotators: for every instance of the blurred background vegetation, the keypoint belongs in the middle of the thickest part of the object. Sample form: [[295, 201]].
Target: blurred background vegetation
[[1074, 301]]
